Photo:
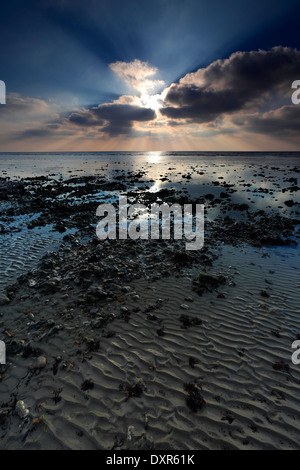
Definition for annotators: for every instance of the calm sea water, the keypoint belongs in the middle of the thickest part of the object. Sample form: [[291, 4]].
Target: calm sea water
[[16, 165]]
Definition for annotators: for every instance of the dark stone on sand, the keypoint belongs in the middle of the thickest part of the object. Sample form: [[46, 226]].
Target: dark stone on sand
[[227, 417], [4, 299], [194, 400], [152, 317], [31, 351], [87, 385], [209, 196], [188, 321], [14, 347], [57, 397], [289, 203], [50, 287], [92, 345], [135, 390], [181, 257], [192, 362], [206, 282], [160, 331], [144, 443], [281, 366], [221, 296], [39, 363], [56, 365], [210, 280], [60, 227], [276, 333], [264, 294]]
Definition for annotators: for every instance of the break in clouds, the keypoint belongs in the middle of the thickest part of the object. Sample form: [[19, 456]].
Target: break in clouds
[[240, 87], [118, 118], [251, 89], [249, 92]]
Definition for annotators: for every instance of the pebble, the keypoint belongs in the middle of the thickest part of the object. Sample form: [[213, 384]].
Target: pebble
[[126, 289], [40, 363], [21, 409], [4, 299], [130, 433], [184, 307]]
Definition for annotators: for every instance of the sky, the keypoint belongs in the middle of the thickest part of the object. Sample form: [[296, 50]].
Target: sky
[[109, 75]]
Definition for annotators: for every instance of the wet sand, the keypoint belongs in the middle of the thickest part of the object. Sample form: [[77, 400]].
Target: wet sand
[[120, 345]]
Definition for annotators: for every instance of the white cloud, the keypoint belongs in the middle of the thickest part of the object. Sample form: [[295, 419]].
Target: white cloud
[[137, 74]]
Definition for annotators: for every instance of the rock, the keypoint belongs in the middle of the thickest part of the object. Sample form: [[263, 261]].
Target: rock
[[187, 321], [130, 433], [210, 280], [87, 385], [264, 294], [94, 293], [289, 203], [14, 347], [281, 366], [21, 409], [39, 363], [50, 287], [4, 299], [184, 307], [94, 311], [224, 195], [205, 282], [194, 400], [51, 332], [97, 323], [126, 289], [145, 442]]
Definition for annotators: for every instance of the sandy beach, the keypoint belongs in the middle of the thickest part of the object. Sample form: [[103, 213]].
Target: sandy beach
[[140, 344]]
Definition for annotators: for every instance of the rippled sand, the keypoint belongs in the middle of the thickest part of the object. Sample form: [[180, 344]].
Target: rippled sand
[[249, 405]]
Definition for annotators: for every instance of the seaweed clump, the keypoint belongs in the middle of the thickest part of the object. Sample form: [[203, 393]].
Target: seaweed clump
[[207, 282], [281, 366], [194, 400], [135, 390]]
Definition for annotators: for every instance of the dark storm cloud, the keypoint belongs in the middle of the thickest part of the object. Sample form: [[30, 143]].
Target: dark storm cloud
[[84, 119], [112, 119], [199, 105], [50, 130], [245, 80], [282, 121]]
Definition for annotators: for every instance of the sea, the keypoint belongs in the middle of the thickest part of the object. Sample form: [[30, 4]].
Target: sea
[[260, 179]]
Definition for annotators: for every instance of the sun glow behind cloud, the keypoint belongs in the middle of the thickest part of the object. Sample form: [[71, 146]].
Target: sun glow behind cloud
[[139, 77], [218, 107]]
